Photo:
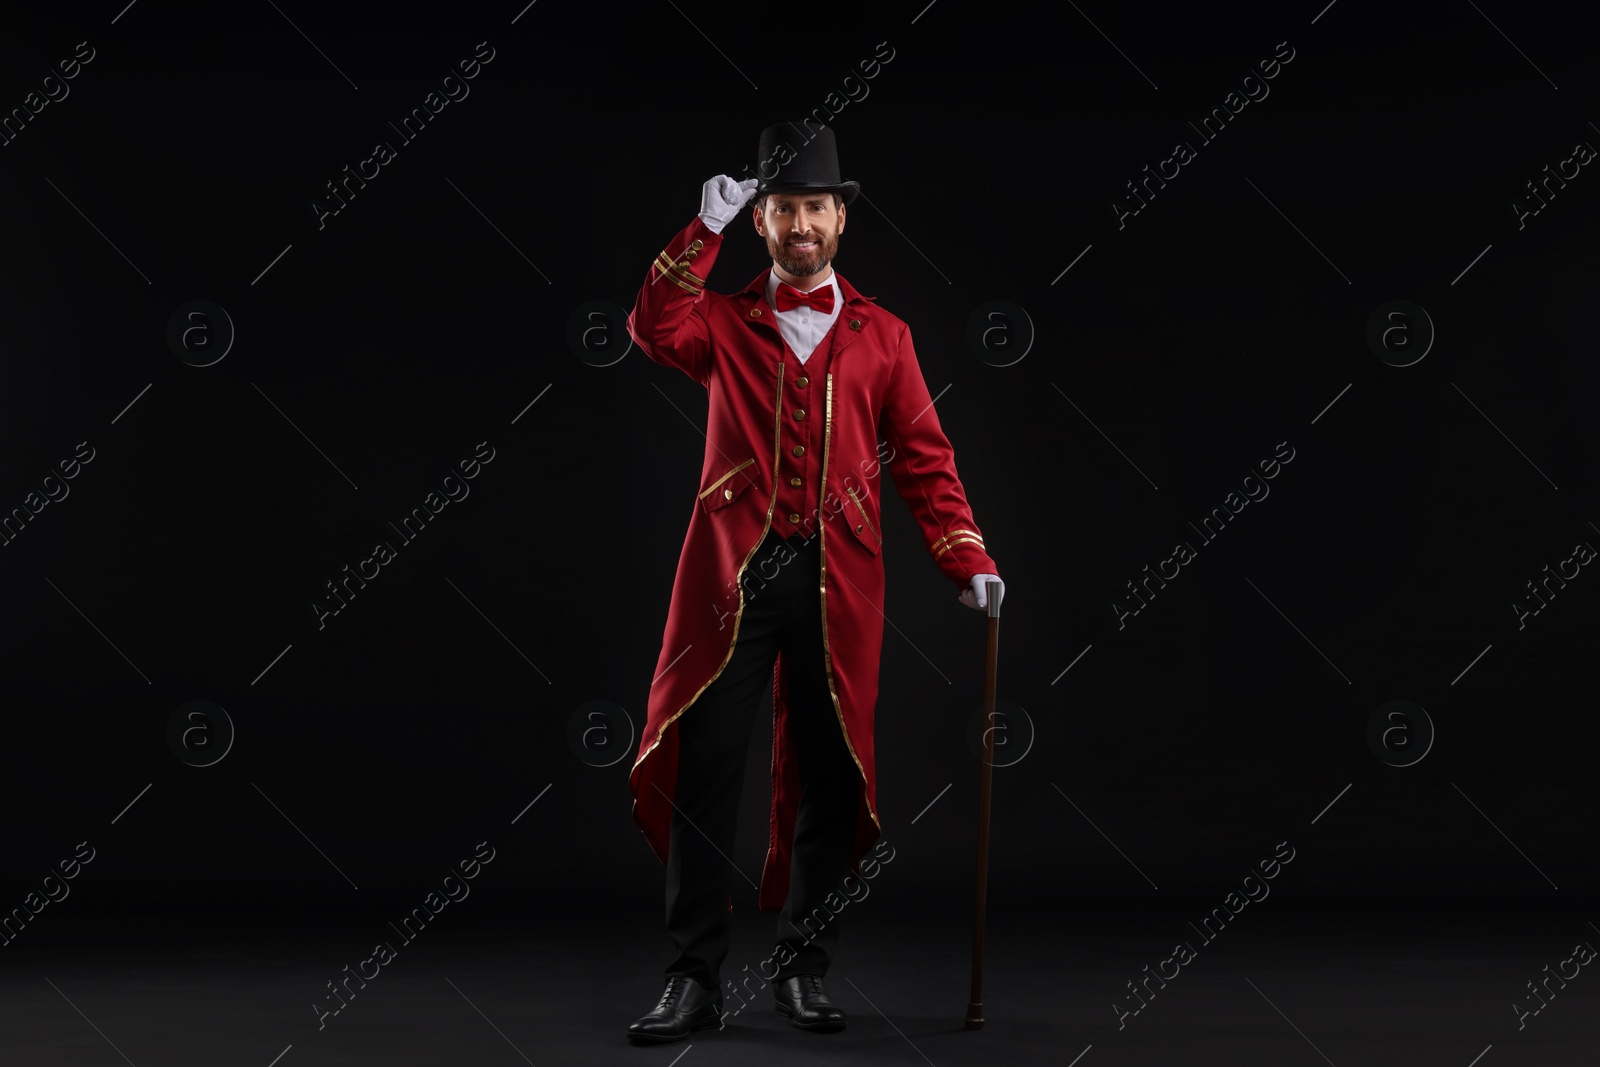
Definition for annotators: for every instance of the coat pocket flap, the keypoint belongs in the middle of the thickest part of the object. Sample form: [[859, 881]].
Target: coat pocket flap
[[860, 522], [727, 487]]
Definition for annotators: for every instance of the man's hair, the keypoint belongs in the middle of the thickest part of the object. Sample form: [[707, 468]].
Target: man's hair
[[760, 202]]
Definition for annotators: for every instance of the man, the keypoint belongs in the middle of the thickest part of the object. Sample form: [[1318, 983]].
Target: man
[[803, 374]]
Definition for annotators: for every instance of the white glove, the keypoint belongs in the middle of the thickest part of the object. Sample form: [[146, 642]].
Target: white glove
[[721, 198], [977, 596]]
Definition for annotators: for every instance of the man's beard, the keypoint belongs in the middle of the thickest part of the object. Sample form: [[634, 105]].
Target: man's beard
[[803, 265]]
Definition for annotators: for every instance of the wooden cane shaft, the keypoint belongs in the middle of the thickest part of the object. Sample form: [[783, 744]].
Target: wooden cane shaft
[[975, 1019]]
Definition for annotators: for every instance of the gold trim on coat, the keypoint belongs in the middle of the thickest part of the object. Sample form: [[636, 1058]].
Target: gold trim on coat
[[977, 536], [822, 586], [960, 540], [863, 509], [681, 285], [677, 272], [777, 428], [725, 477]]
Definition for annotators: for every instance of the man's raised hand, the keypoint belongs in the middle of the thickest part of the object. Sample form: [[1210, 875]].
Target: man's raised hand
[[721, 198]]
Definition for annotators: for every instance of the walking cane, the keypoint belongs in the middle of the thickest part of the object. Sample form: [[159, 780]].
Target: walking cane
[[985, 780]]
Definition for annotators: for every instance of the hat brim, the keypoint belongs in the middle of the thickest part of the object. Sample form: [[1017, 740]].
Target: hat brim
[[847, 190]]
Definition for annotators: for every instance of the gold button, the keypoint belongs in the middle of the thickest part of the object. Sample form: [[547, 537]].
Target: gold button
[[855, 324], [799, 450], [755, 313], [727, 494], [697, 244], [802, 381], [799, 413], [690, 254], [858, 529], [793, 517], [794, 481]]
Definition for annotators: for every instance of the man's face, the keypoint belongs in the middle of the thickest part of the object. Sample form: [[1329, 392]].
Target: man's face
[[802, 231]]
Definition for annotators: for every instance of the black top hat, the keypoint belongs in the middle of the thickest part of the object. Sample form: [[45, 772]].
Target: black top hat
[[797, 159]]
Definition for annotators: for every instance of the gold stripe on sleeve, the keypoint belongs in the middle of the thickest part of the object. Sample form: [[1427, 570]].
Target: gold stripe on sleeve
[[960, 540], [975, 535]]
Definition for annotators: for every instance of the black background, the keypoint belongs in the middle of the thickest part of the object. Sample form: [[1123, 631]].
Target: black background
[[1222, 719]]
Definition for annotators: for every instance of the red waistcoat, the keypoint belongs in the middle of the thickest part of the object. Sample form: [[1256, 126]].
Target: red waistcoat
[[802, 430], [857, 407]]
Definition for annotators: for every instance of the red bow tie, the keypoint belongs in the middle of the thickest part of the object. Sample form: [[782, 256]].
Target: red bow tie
[[820, 299]]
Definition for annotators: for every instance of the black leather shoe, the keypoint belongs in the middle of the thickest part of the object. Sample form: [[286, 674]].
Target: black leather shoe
[[686, 1006], [806, 1003]]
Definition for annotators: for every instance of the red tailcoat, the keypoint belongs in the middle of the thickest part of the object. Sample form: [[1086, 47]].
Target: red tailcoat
[[872, 386]]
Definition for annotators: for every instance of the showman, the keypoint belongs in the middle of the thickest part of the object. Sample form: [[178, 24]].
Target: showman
[[804, 375]]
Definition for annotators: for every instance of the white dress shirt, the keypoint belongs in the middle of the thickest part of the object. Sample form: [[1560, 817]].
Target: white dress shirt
[[803, 328]]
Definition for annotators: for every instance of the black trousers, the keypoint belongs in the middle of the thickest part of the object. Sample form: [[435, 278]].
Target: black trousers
[[782, 611]]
